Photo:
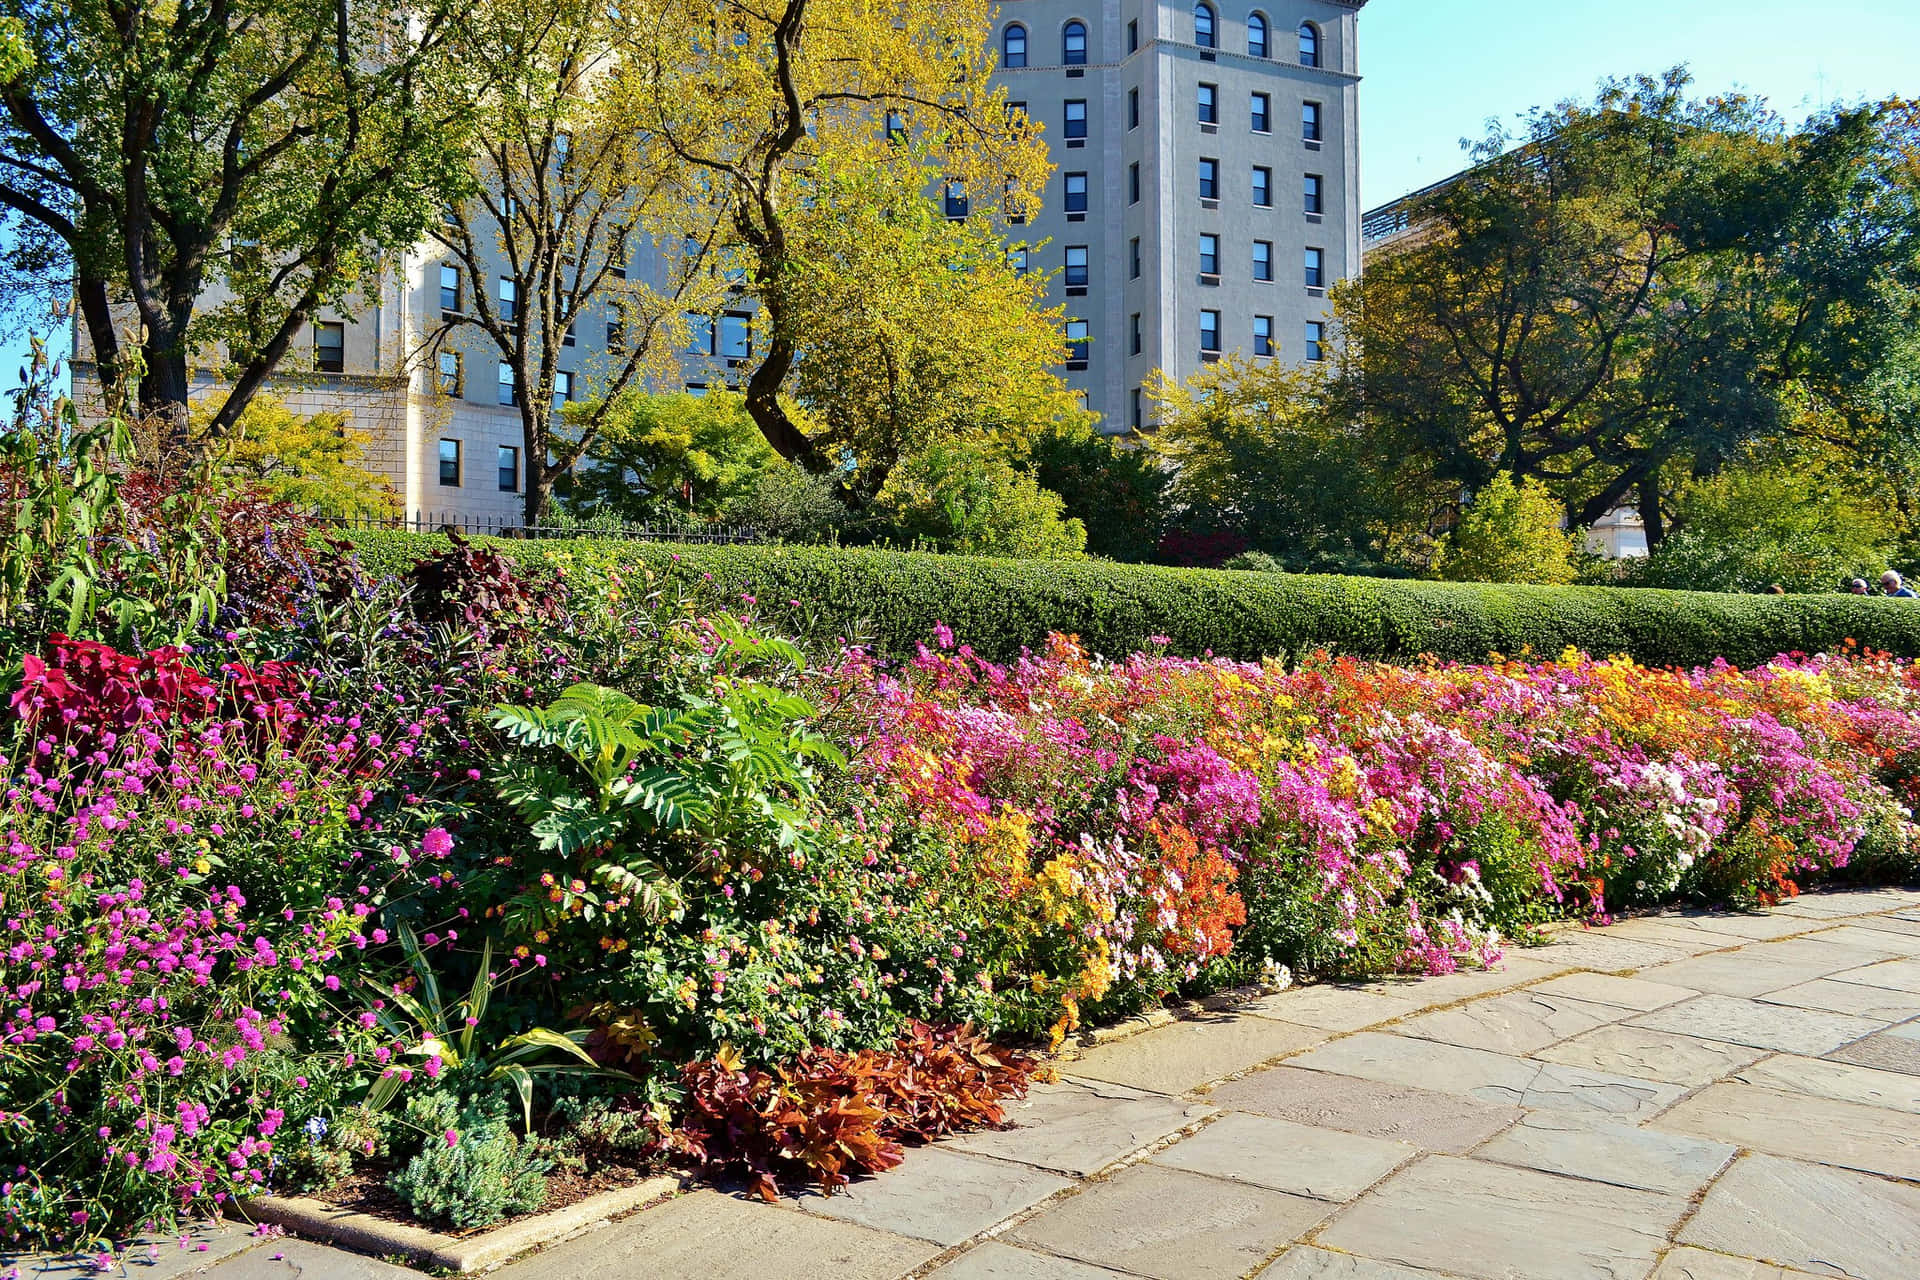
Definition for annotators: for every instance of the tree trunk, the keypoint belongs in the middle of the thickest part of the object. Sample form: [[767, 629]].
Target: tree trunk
[[1651, 516], [163, 390]]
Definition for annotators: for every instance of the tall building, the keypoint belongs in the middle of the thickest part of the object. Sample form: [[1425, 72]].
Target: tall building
[[1207, 186], [1206, 197]]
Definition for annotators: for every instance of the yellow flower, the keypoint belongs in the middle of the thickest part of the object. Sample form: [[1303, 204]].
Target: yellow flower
[[202, 865]]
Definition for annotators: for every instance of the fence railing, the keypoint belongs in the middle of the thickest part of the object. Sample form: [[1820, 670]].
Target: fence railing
[[504, 527]]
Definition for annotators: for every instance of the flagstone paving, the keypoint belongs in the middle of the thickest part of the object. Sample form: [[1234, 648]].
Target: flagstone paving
[[1704, 1097]]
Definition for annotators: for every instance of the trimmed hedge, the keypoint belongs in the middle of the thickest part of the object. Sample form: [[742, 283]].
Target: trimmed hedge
[[894, 598]]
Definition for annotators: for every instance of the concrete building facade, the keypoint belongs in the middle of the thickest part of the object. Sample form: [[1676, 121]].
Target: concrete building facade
[[1204, 201]]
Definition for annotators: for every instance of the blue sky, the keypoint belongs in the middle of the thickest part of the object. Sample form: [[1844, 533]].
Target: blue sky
[[1436, 70]]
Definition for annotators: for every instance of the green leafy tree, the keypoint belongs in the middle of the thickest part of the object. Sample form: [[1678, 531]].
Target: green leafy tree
[[973, 501], [673, 456], [1113, 485], [313, 462], [1510, 533], [226, 168]]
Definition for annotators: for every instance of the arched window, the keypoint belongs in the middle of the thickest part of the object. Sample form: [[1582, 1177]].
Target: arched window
[[1203, 26], [1073, 44], [1309, 45], [1257, 34], [1013, 46]]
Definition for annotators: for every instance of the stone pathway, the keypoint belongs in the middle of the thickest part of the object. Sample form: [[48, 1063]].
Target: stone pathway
[[1711, 1097]]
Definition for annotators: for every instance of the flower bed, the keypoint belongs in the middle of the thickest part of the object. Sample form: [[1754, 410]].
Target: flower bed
[[458, 895]]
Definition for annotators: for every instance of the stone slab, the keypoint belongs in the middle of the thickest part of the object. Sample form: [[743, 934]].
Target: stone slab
[[1081, 1127], [1763, 1026], [996, 1261], [1900, 975], [1516, 1023], [1487, 1077], [1881, 1003], [1422, 1117], [1304, 1262], [1186, 1055], [719, 1237], [1517, 970], [1595, 950], [148, 1257], [1698, 1264], [1641, 1053], [1616, 1154], [1822, 1130], [1888, 924], [304, 1260], [1842, 1081], [1678, 935], [1332, 1008], [939, 1195], [1759, 926], [1625, 993], [1746, 972], [1172, 1225], [1501, 1223], [1326, 1164], [1832, 1222], [1888, 1053], [1862, 934]]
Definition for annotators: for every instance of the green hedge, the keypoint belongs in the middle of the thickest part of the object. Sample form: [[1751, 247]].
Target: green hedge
[[894, 599]]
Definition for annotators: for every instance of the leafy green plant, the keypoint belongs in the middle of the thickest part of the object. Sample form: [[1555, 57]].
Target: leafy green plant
[[472, 1178]]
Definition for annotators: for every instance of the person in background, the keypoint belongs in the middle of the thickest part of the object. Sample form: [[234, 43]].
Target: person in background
[[1858, 587], [1776, 590], [1891, 584]]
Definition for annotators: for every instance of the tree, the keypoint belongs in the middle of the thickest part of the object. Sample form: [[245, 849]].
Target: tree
[[972, 501], [673, 456], [770, 103], [1622, 295], [1113, 485], [1510, 532], [564, 191], [312, 462], [1272, 454], [227, 167]]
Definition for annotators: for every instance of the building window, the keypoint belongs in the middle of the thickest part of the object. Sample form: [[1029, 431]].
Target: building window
[[330, 346], [896, 128], [1077, 342], [1210, 333], [1133, 37], [736, 335], [1209, 104], [616, 337], [1076, 118], [450, 463], [1309, 45], [1133, 258], [562, 387], [1133, 183], [1017, 258], [1262, 187], [1316, 340], [448, 378], [1203, 26], [1209, 255], [1133, 331], [1013, 46], [567, 339], [1076, 265], [1076, 193], [509, 469], [1257, 34], [620, 271], [1310, 121], [1263, 260], [699, 335], [1073, 43], [509, 387], [1209, 178], [1133, 108], [509, 300], [1316, 269], [1016, 113], [1262, 113], [1133, 407], [449, 288], [1263, 335], [957, 204], [1316, 201]]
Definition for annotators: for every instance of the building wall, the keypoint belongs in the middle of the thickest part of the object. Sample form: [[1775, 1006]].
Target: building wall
[[389, 386]]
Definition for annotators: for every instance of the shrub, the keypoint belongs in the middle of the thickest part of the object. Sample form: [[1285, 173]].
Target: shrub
[[1002, 606], [1509, 533]]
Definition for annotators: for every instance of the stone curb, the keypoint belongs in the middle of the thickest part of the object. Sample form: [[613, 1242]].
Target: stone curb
[[365, 1233], [1167, 1015]]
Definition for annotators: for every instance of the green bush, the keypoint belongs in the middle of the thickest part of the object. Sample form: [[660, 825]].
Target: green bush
[[894, 598]]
